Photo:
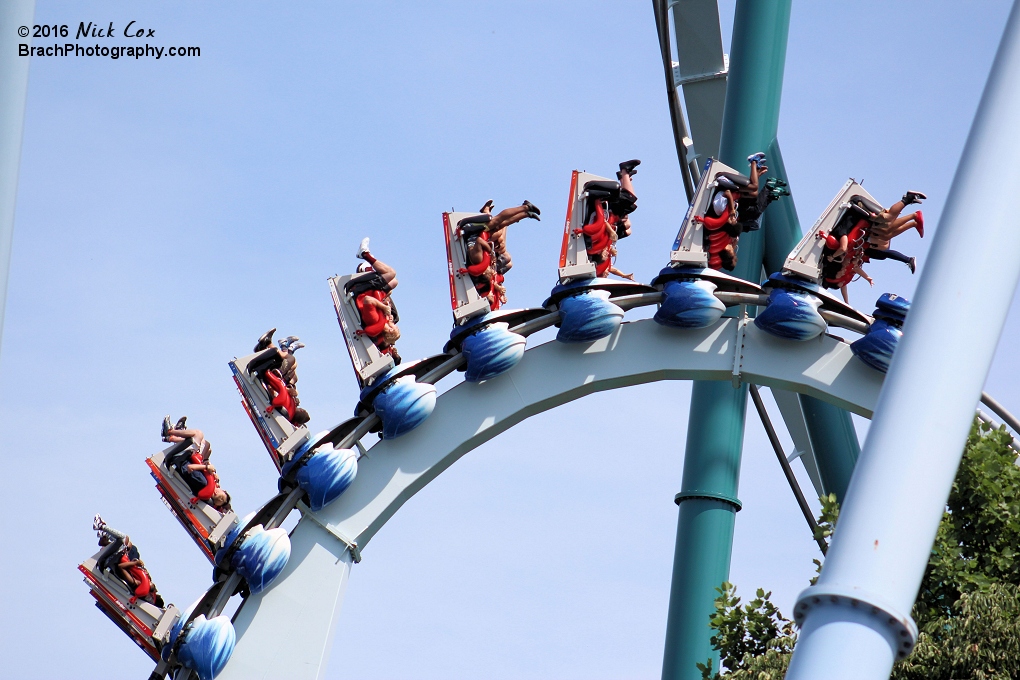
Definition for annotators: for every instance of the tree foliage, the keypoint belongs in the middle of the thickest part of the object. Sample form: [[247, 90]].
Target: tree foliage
[[967, 609]]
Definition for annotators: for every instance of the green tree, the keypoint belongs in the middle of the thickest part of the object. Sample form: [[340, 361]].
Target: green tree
[[968, 606]]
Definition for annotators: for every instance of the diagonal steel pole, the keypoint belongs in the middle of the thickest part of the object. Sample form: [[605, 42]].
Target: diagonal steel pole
[[856, 620], [787, 470]]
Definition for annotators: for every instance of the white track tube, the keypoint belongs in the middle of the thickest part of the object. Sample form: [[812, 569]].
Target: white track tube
[[856, 622], [286, 632], [13, 89]]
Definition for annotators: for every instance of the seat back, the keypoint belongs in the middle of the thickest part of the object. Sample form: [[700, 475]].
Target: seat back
[[584, 188], [146, 624], [204, 523], [367, 360], [689, 246], [806, 260], [277, 433], [464, 299]]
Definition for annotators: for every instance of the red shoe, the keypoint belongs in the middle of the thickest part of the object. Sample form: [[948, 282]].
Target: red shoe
[[919, 218]]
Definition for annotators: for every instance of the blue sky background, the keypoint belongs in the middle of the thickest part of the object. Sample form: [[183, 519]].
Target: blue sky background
[[171, 211]]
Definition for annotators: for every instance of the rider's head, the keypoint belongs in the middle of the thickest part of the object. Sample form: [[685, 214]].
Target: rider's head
[[220, 500], [390, 333]]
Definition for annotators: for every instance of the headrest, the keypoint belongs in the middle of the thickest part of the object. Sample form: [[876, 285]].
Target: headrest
[[602, 185], [735, 177], [475, 219], [866, 203], [726, 183], [366, 281]]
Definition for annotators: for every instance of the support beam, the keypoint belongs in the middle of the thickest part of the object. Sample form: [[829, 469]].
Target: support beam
[[13, 92], [715, 428], [791, 479], [856, 621]]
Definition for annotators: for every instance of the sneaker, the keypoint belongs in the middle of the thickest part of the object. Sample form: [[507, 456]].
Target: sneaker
[[97, 523], [364, 267], [295, 346], [165, 430], [757, 158], [182, 423], [487, 208], [532, 208], [362, 249], [630, 167], [913, 197]]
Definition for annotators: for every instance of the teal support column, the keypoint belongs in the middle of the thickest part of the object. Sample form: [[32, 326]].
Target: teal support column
[[704, 536], [715, 429]]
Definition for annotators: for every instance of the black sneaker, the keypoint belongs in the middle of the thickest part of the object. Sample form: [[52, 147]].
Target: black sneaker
[[913, 197], [629, 167], [532, 208], [165, 430], [181, 424]]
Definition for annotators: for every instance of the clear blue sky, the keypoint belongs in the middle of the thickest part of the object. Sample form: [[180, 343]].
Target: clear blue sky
[[171, 211]]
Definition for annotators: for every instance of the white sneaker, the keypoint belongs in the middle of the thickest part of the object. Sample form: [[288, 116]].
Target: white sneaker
[[362, 249], [97, 523]]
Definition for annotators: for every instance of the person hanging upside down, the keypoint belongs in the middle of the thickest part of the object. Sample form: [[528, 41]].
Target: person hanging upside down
[[122, 558], [721, 228], [375, 304], [485, 247], [277, 369], [753, 198], [196, 470]]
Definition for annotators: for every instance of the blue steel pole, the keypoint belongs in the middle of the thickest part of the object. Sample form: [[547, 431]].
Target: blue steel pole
[[715, 429], [14, 16], [855, 621]]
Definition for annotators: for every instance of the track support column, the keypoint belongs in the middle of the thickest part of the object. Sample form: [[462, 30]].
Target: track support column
[[704, 536], [855, 622], [14, 14], [715, 429]]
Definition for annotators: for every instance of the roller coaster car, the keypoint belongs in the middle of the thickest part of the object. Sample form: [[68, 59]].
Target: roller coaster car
[[146, 624], [459, 228], [203, 522], [585, 191], [807, 259], [689, 248], [368, 361], [278, 434]]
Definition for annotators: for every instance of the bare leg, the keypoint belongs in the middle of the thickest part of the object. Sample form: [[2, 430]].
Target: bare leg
[[504, 218], [388, 273], [846, 296], [752, 188], [896, 227], [180, 435], [626, 183]]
